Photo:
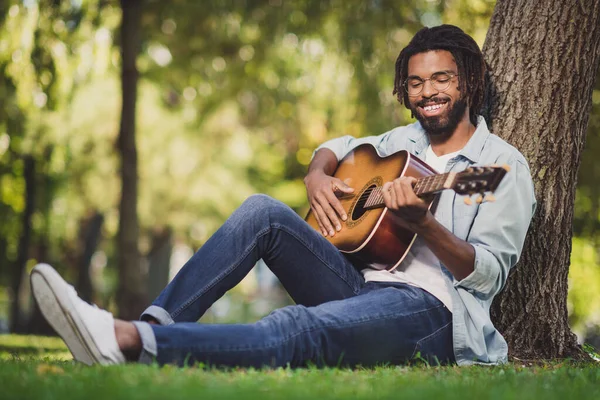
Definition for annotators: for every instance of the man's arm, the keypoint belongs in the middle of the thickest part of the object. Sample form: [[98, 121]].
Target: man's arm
[[320, 187], [481, 262], [498, 231], [324, 161], [456, 254]]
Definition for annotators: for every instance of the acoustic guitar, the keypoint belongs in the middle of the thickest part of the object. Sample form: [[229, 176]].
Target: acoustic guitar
[[372, 234]]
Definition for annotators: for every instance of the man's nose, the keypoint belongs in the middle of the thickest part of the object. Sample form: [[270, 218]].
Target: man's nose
[[428, 89]]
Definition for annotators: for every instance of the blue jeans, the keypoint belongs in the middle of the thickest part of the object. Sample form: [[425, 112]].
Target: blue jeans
[[338, 319]]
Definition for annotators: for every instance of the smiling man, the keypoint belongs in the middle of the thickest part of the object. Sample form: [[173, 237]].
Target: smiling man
[[435, 305], [439, 116]]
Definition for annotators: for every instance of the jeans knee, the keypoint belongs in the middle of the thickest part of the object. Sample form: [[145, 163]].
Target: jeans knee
[[286, 318], [263, 206], [258, 202]]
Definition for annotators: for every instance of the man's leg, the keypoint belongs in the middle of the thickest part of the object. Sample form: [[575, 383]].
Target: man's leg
[[310, 268], [382, 325], [379, 325]]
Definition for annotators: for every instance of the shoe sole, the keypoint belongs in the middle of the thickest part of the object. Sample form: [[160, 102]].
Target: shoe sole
[[49, 291]]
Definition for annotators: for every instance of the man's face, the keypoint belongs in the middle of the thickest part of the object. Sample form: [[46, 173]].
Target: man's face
[[438, 111]]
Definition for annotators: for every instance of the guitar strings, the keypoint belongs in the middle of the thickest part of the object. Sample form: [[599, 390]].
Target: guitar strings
[[423, 185], [426, 184]]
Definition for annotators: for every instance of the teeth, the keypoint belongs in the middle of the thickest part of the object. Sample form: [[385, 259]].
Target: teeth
[[432, 107]]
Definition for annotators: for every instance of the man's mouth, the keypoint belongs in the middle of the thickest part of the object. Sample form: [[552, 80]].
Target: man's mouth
[[431, 109]]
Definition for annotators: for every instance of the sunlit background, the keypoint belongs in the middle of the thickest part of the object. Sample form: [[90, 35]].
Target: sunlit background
[[233, 98]]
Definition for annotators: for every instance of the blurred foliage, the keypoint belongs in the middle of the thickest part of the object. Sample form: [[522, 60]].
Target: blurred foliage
[[584, 273], [234, 96], [587, 206], [47, 51], [584, 281]]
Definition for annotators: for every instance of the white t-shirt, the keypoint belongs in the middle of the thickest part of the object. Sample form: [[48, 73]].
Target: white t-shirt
[[420, 267]]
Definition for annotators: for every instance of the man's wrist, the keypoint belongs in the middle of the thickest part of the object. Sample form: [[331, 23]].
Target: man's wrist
[[312, 173], [425, 224]]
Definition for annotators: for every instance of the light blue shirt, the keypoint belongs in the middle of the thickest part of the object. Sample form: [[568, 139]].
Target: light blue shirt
[[496, 230]]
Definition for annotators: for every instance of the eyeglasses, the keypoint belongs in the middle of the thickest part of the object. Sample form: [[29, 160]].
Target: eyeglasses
[[440, 82]]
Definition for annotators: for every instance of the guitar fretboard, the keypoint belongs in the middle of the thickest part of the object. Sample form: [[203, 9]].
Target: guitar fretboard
[[424, 186]]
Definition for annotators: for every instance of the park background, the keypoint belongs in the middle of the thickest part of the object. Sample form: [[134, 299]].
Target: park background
[[232, 98]]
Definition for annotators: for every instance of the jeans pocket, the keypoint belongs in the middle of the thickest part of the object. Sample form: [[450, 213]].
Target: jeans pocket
[[436, 348]]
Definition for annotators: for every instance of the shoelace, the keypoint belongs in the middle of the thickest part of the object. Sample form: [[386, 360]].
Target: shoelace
[[80, 302]]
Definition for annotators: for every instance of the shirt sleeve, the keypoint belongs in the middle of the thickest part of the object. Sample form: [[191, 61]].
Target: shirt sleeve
[[498, 231], [384, 144]]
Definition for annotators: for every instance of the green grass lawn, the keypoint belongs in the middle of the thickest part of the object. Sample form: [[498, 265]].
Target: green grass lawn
[[42, 368]]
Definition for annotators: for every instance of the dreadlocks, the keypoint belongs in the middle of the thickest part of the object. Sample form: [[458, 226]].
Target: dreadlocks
[[466, 53]]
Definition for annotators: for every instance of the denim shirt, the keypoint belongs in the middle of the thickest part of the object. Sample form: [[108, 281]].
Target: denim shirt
[[496, 230]]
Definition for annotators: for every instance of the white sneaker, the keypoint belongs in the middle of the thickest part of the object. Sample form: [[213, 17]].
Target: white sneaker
[[88, 331]]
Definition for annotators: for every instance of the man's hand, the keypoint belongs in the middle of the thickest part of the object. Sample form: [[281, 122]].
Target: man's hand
[[456, 254], [400, 197], [326, 207]]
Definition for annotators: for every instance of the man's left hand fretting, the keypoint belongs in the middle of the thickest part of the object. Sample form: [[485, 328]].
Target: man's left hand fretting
[[401, 199]]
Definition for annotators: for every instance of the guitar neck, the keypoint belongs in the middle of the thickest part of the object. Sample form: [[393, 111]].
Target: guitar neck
[[424, 186]]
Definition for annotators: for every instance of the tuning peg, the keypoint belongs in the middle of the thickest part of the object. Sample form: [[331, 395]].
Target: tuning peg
[[468, 201], [479, 199], [490, 197]]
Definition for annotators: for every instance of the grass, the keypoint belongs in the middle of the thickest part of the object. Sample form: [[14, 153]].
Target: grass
[[42, 368]]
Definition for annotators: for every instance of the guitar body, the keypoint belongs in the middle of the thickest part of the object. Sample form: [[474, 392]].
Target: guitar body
[[373, 237]]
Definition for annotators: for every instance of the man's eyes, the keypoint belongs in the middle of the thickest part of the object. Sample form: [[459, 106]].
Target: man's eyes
[[415, 83]]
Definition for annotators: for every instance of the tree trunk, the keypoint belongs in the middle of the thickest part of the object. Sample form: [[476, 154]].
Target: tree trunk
[[45, 190], [131, 298], [17, 322], [37, 324], [90, 233], [543, 57], [159, 261]]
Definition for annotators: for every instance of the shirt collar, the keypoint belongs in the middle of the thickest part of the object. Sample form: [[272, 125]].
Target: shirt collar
[[472, 149], [474, 146]]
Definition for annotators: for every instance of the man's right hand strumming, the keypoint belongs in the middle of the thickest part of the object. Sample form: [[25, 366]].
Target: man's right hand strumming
[[321, 188]]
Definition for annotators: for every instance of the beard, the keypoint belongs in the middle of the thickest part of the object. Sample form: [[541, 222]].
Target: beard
[[441, 125]]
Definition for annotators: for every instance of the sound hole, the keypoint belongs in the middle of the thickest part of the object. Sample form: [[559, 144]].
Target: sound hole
[[359, 208]]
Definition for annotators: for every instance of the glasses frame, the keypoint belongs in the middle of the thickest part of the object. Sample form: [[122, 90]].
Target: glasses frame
[[431, 80]]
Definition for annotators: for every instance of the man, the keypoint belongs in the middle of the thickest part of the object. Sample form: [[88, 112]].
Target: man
[[434, 305]]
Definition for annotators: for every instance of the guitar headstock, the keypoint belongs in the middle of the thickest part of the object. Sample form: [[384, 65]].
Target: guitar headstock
[[480, 180]]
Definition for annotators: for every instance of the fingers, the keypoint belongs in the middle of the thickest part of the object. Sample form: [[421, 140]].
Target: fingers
[[399, 189], [333, 208], [393, 194], [389, 197], [399, 193], [326, 215], [318, 218], [340, 185], [326, 205], [407, 183], [335, 204]]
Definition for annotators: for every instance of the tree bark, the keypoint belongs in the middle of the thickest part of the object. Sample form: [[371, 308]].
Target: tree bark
[[159, 261], [45, 190], [543, 57], [90, 234], [37, 324], [17, 324], [131, 298]]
